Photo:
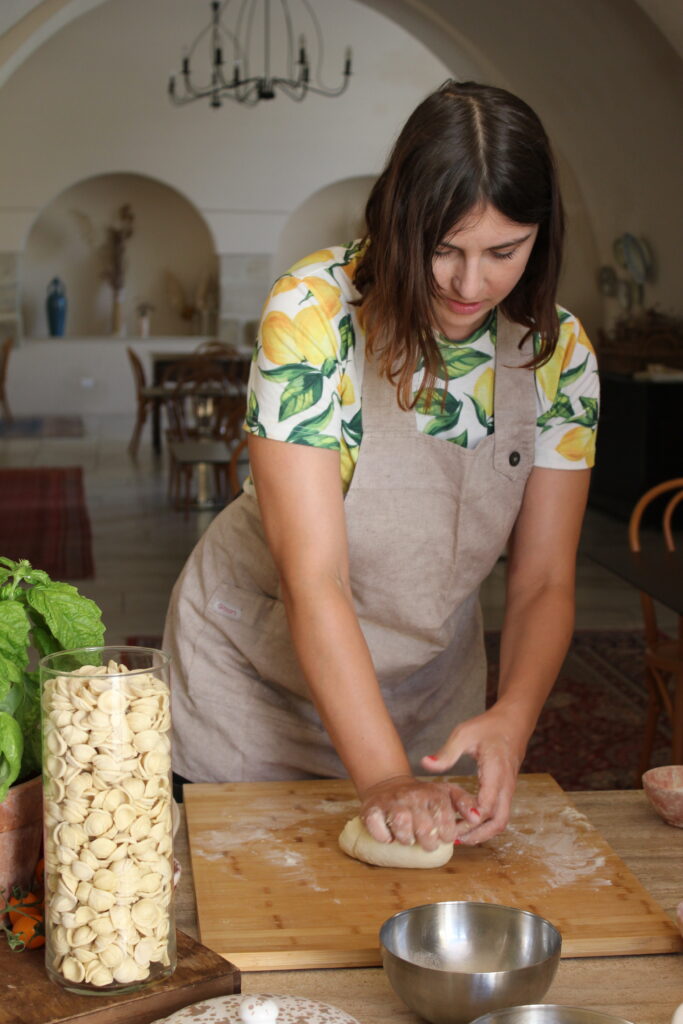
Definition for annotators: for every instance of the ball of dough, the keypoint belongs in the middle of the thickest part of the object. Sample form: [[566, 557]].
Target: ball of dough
[[356, 841]]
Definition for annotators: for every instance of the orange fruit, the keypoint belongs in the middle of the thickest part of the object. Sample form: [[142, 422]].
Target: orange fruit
[[27, 905], [30, 930]]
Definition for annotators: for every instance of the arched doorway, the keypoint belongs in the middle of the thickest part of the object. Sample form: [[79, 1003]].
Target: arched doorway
[[170, 258], [331, 216]]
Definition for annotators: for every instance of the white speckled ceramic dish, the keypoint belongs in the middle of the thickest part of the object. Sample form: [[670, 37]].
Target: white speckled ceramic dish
[[291, 1010]]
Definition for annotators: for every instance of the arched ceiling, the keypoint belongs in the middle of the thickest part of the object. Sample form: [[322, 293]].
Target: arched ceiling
[[25, 24]]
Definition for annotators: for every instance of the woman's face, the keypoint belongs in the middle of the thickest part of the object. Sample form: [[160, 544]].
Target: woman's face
[[476, 266]]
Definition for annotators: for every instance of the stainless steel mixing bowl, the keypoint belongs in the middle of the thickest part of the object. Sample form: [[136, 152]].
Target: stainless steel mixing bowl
[[452, 962], [548, 1014]]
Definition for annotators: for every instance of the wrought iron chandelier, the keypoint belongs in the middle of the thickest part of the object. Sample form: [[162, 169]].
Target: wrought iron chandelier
[[231, 51]]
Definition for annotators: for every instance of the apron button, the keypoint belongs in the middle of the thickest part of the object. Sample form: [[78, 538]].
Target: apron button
[[514, 458]]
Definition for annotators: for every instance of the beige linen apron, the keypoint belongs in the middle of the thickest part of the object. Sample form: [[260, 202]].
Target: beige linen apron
[[426, 520]]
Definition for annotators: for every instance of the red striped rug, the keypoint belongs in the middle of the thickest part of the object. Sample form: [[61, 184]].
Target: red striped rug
[[43, 518]]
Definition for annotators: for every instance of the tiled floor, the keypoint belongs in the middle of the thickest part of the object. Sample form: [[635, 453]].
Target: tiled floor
[[140, 542]]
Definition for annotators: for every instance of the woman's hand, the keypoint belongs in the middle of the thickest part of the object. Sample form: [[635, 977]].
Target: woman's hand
[[498, 749], [409, 811]]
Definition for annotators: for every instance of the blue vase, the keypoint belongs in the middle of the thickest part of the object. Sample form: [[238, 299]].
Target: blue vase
[[55, 305]]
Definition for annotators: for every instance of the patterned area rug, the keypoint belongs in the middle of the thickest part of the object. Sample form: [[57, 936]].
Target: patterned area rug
[[43, 518], [41, 426], [589, 733]]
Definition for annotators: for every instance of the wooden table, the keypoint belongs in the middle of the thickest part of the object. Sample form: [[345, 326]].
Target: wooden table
[[654, 570], [238, 365], [642, 989]]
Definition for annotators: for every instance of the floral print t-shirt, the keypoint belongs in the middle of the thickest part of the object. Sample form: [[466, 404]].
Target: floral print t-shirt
[[305, 384]]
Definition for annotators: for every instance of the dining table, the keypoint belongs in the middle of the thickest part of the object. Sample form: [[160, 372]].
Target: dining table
[[643, 989], [653, 570], [236, 365]]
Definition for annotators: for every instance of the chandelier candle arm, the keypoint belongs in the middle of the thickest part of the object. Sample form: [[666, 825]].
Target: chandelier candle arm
[[234, 48]]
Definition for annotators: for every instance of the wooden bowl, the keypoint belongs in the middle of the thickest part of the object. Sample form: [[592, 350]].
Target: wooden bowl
[[664, 789]]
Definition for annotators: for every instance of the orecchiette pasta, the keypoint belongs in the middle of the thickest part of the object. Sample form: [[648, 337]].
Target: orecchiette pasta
[[108, 847]]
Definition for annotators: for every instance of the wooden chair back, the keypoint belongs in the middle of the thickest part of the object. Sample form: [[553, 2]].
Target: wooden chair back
[[138, 371], [215, 348], [203, 402], [635, 538], [5, 350], [663, 655]]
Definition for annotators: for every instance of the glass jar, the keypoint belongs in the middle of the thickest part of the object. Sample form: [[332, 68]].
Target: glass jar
[[109, 922]]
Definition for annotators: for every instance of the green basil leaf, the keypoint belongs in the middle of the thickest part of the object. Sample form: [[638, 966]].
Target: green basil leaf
[[73, 620], [28, 717], [11, 750], [15, 629], [13, 698], [43, 640]]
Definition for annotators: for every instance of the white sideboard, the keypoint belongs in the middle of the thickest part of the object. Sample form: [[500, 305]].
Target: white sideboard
[[70, 376]]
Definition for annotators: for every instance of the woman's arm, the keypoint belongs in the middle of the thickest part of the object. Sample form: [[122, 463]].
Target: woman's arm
[[537, 629], [300, 497]]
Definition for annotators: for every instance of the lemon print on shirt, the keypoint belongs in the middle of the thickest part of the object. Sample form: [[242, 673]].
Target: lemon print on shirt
[[321, 256], [553, 374], [578, 444], [483, 390], [345, 389], [327, 295], [308, 337]]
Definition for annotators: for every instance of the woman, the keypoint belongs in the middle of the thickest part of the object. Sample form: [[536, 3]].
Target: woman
[[416, 401]]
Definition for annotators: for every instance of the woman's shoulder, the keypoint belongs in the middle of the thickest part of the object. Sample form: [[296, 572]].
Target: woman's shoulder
[[334, 267]]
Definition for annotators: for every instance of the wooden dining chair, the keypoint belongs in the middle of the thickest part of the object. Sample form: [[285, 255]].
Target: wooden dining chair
[[205, 416], [216, 348], [663, 654], [145, 397], [4, 363]]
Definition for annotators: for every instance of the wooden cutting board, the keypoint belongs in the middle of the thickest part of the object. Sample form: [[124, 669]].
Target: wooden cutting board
[[275, 892], [27, 996]]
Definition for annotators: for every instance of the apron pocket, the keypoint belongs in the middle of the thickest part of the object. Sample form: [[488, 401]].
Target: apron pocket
[[255, 625]]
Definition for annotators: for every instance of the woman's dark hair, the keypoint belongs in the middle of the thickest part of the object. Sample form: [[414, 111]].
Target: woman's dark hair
[[464, 145]]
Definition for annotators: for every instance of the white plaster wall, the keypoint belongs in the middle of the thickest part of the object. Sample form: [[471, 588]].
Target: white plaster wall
[[606, 81], [93, 100], [67, 238], [332, 216], [83, 376], [609, 88]]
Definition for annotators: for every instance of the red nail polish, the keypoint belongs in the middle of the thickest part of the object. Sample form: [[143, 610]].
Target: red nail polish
[[475, 811], [431, 757], [457, 842]]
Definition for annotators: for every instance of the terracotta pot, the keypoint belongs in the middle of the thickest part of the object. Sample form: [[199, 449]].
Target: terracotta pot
[[21, 830]]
